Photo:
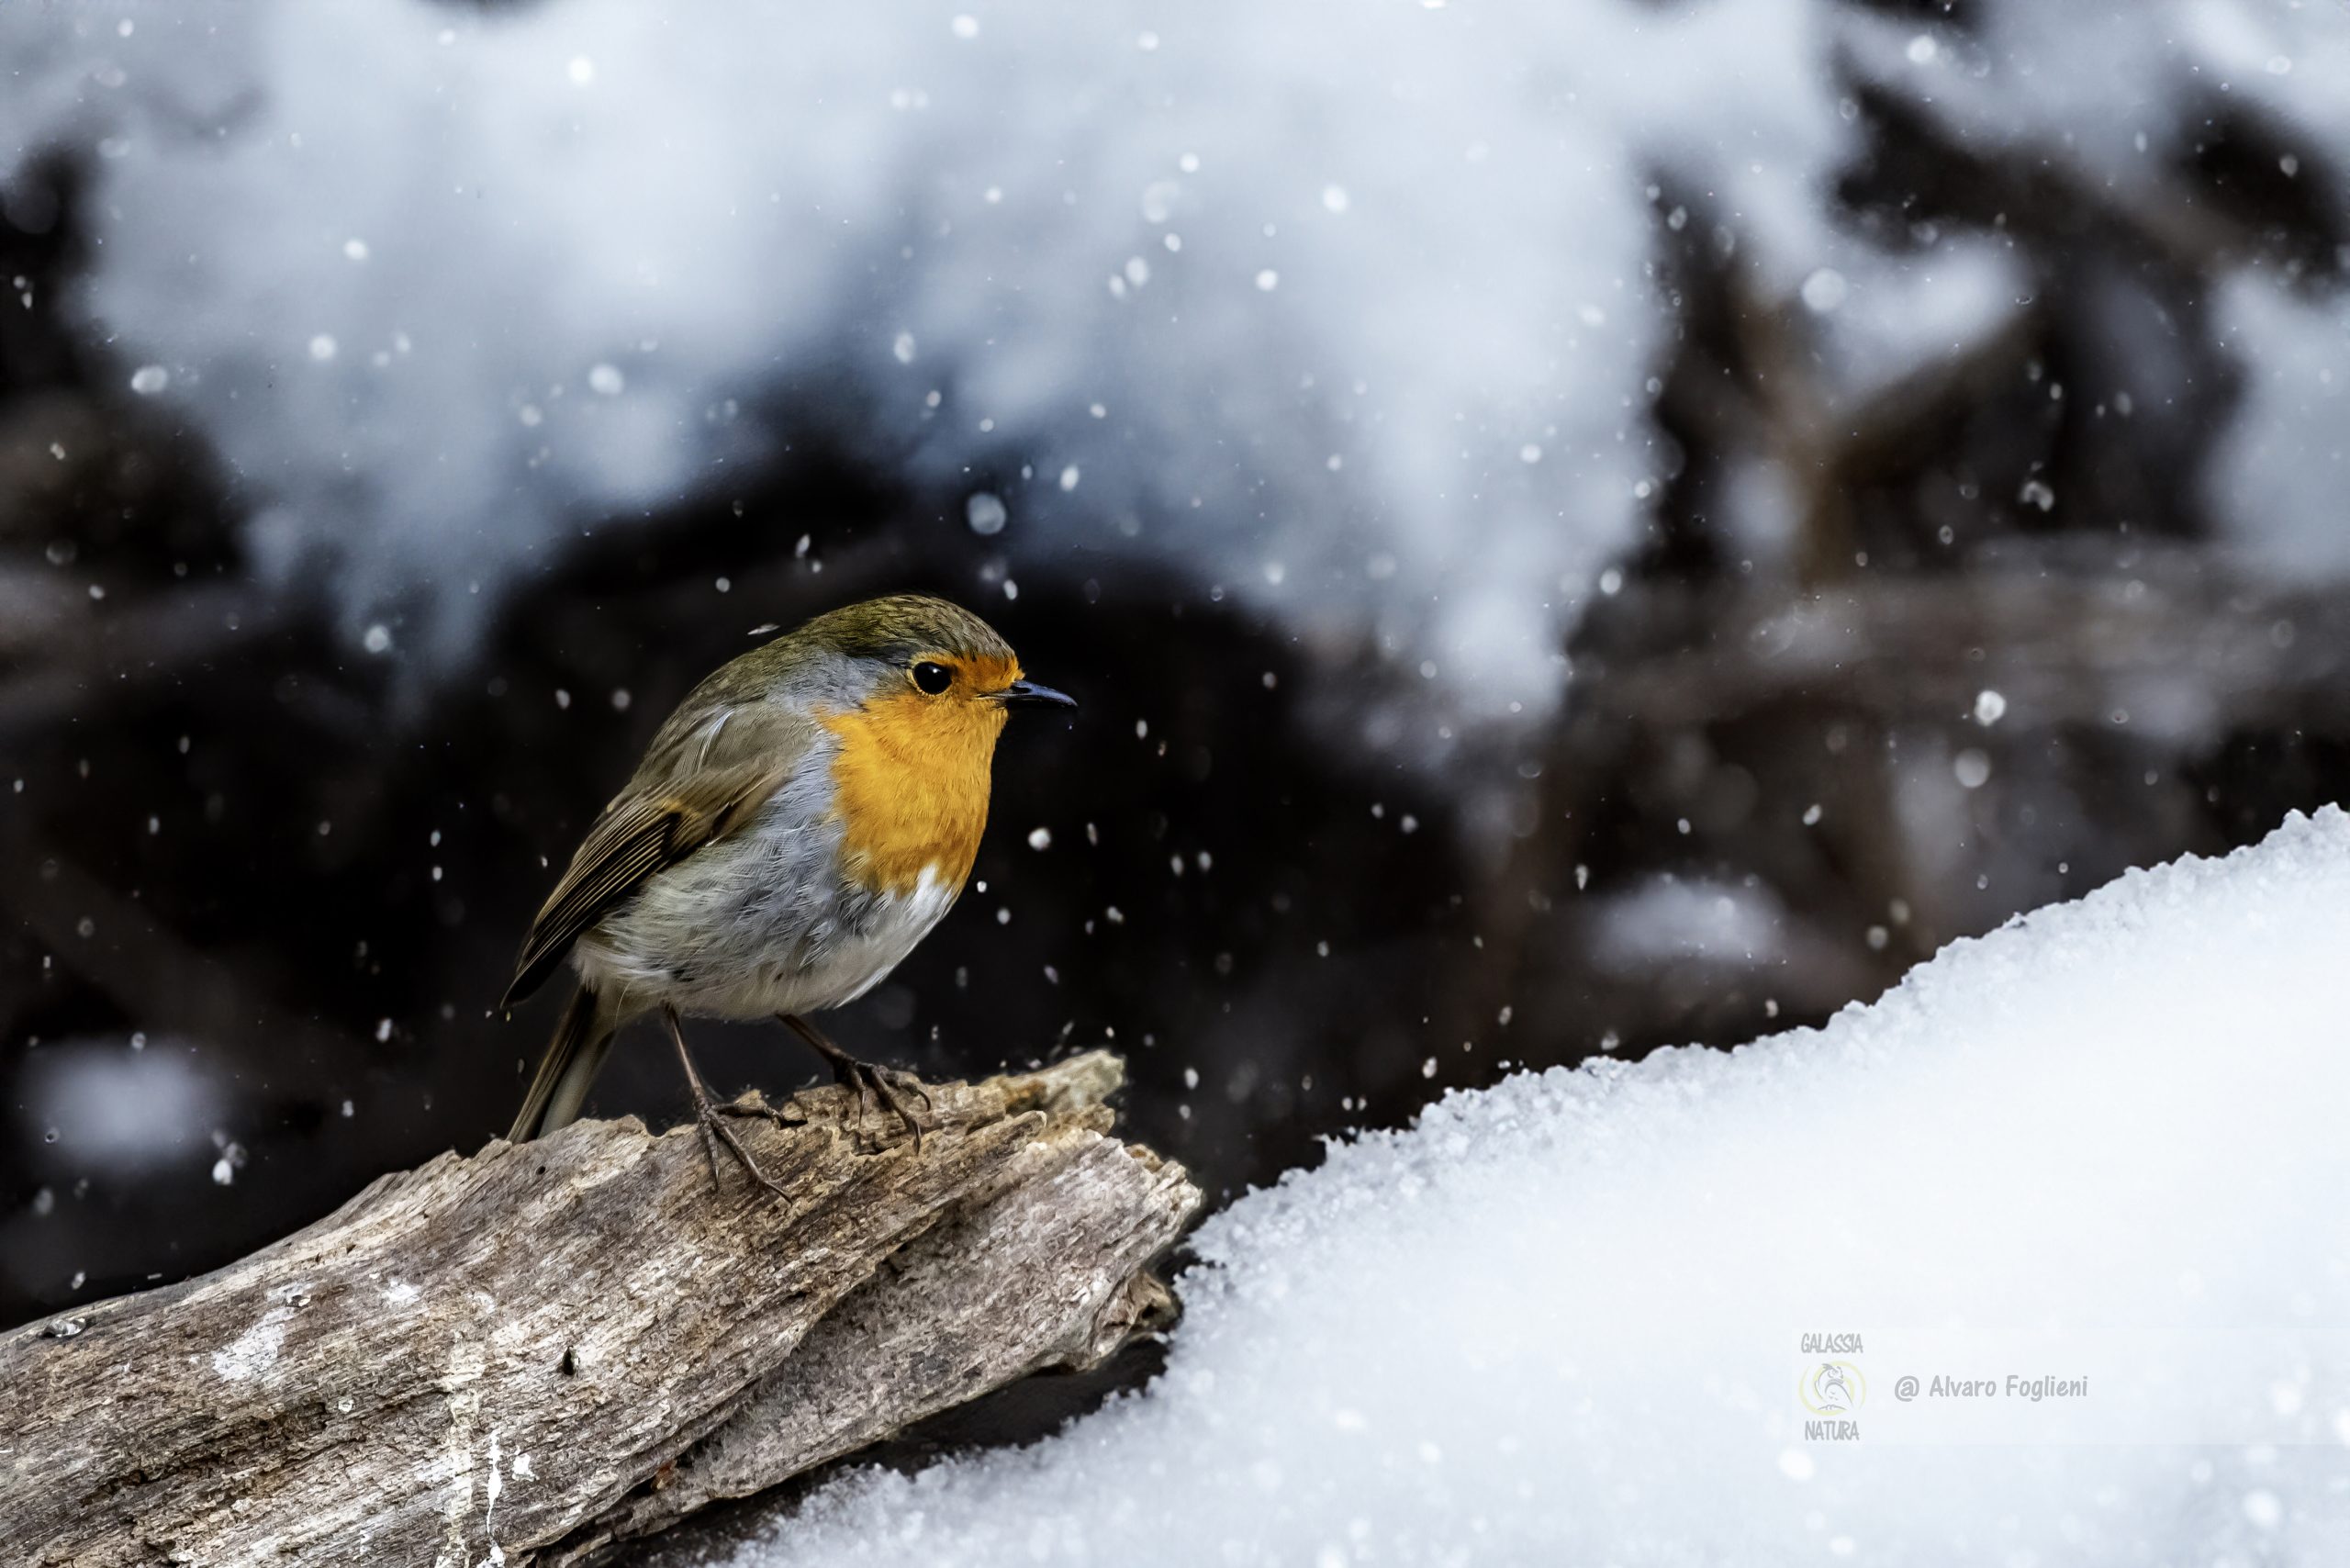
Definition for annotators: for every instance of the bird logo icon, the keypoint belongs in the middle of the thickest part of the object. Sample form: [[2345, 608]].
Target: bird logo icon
[[1834, 1388]]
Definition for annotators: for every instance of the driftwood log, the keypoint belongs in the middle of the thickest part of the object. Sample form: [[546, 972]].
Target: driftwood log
[[528, 1355]]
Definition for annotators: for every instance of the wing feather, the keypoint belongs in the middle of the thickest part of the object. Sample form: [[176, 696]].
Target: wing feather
[[700, 782]]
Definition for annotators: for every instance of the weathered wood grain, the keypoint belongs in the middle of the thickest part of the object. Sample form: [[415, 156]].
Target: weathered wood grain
[[531, 1353]]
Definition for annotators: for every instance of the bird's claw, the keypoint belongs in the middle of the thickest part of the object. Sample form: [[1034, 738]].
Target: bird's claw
[[758, 1108], [883, 1084], [710, 1118], [871, 1083]]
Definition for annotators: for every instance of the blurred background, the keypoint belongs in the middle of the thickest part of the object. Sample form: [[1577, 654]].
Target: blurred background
[[1578, 525]]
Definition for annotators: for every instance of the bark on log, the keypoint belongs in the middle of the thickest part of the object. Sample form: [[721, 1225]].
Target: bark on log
[[524, 1356]]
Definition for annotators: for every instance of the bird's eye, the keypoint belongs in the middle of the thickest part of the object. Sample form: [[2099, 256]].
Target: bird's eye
[[933, 679]]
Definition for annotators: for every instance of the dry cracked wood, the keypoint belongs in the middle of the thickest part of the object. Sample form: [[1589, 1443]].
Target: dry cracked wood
[[526, 1355]]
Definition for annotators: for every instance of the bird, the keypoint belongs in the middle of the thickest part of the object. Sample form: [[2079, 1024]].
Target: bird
[[808, 814]]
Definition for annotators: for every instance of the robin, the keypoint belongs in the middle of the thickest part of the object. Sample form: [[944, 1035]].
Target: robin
[[804, 818]]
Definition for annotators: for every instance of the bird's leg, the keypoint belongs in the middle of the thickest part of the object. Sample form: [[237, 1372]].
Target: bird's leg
[[869, 1078], [711, 1116]]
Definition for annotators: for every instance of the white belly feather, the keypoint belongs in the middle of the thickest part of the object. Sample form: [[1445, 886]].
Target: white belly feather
[[758, 925], [895, 923]]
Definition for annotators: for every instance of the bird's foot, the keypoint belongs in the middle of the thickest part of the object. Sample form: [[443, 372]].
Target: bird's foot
[[781, 1115], [711, 1117], [871, 1080]]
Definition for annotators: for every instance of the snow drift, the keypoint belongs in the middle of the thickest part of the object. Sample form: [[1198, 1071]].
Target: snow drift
[[1336, 304], [1351, 309], [1347, 308], [1341, 305], [1560, 1321]]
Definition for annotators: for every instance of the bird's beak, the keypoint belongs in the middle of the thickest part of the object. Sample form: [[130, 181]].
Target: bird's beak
[[1028, 694]]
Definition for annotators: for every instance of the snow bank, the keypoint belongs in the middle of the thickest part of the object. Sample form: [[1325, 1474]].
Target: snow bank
[[1345, 306], [1339, 305], [1560, 1321]]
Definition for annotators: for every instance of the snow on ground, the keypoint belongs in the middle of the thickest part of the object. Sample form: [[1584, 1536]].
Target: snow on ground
[[1560, 1321]]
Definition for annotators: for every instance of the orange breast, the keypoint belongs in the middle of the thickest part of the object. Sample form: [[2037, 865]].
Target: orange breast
[[910, 787]]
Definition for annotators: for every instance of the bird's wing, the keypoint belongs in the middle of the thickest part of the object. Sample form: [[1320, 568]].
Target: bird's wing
[[700, 781]]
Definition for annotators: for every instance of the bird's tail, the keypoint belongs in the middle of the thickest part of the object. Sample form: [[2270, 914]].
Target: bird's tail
[[572, 1060]]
